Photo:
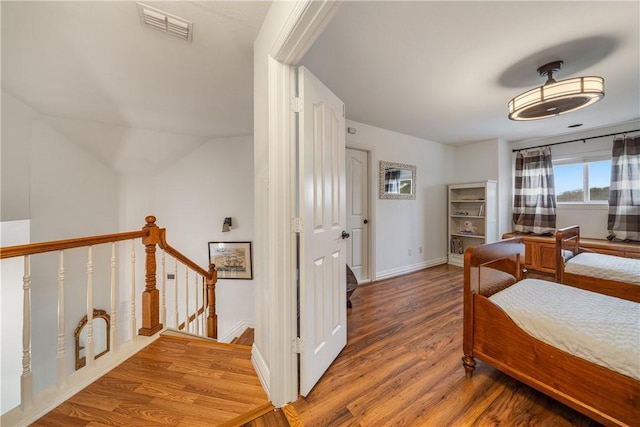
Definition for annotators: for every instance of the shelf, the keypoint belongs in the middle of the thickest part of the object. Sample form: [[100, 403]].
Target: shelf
[[456, 259], [473, 236], [471, 206]]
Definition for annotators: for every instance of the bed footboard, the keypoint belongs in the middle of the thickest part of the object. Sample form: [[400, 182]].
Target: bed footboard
[[492, 336], [568, 246]]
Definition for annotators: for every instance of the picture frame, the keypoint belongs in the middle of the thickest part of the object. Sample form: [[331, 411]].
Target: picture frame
[[232, 259], [397, 181]]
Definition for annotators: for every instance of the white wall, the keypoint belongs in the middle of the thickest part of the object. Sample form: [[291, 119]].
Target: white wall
[[71, 195], [11, 233], [405, 226], [487, 160], [15, 149], [194, 196], [505, 188], [592, 219], [66, 192]]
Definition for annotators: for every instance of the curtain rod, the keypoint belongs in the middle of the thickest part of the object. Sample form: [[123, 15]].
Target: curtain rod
[[576, 140]]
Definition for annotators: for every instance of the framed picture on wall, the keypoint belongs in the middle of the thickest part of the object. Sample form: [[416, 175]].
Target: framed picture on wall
[[232, 259]]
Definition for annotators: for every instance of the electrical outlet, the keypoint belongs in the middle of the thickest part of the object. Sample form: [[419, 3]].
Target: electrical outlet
[[420, 249], [409, 252]]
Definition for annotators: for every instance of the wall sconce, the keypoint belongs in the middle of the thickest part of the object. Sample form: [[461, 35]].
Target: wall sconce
[[226, 225]]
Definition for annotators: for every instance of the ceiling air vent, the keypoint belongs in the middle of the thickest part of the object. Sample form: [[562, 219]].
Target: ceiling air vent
[[165, 22]]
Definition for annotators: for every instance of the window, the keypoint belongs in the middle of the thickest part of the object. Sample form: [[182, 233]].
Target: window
[[582, 181]]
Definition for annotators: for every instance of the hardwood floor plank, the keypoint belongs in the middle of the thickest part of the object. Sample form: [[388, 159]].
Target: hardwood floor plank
[[60, 420], [154, 387], [215, 415], [153, 390], [402, 366], [75, 411]]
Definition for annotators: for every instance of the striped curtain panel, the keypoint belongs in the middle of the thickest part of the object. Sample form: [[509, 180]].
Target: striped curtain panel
[[624, 191], [534, 201]]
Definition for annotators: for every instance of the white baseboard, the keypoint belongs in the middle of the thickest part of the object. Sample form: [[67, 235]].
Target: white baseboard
[[260, 365], [387, 274]]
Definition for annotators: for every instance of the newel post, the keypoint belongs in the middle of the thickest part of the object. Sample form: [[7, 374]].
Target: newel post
[[212, 317], [151, 296]]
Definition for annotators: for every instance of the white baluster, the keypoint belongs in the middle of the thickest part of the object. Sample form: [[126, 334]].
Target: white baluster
[[186, 298], [26, 390], [197, 307], [89, 346], [132, 312], [163, 292], [62, 368], [175, 295], [113, 340], [203, 318]]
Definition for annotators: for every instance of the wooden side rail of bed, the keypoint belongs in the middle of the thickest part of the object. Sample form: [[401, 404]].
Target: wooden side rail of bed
[[567, 247], [492, 336]]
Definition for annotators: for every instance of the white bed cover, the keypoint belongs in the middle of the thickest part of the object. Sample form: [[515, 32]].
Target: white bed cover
[[603, 266], [601, 329]]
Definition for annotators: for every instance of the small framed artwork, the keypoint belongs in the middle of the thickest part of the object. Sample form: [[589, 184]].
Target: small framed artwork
[[232, 259]]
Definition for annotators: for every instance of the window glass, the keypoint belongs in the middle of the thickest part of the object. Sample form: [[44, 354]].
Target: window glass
[[599, 179], [582, 181], [569, 183]]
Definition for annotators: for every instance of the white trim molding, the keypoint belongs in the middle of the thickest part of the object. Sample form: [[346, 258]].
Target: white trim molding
[[290, 28], [393, 272]]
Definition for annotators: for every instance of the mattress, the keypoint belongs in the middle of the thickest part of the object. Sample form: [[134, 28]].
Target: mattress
[[601, 329], [493, 280], [603, 266]]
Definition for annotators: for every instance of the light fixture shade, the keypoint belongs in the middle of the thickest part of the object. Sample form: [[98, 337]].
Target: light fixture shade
[[556, 98]]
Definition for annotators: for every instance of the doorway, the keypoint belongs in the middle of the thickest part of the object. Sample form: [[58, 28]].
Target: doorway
[[358, 221]]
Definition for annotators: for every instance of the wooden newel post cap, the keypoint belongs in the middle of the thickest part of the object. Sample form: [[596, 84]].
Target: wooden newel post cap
[[151, 220]]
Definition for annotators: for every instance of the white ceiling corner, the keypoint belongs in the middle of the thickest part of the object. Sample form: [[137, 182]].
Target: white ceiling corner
[[438, 70]]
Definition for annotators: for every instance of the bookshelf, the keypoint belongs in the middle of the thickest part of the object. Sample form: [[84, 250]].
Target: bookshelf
[[472, 217]]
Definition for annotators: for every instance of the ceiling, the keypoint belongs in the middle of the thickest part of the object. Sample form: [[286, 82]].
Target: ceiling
[[442, 71], [445, 71], [93, 60]]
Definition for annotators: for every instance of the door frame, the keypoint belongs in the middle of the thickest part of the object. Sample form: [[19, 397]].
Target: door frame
[[279, 51], [371, 199]]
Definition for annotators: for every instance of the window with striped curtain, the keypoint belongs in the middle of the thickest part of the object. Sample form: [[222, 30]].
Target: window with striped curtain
[[534, 201], [624, 192]]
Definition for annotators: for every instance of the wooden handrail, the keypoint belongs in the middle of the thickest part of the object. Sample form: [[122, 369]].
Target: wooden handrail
[[59, 245], [211, 278], [151, 236], [179, 256]]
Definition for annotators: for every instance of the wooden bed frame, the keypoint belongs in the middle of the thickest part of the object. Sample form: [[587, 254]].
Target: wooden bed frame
[[491, 336], [568, 240]]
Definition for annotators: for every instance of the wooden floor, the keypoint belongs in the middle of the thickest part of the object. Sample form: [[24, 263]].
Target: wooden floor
[[174, 381], [402, 367]]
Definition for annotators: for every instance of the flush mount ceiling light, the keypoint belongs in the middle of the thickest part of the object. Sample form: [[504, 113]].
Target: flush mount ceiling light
[[554, 98], [165, 22]]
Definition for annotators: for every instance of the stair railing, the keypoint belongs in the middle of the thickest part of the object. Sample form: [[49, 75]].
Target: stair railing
[[199, 315]]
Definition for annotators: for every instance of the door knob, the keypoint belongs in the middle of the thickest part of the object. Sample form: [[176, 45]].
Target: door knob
[[366, 221], [345, 235]]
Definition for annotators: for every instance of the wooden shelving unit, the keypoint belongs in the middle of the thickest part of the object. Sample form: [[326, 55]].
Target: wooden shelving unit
[[472, 217]]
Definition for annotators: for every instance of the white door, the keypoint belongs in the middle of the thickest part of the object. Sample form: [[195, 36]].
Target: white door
[[357, 212], [323, 305]]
